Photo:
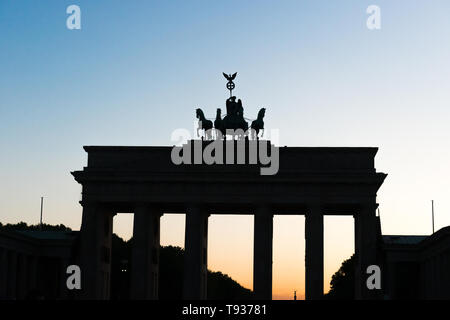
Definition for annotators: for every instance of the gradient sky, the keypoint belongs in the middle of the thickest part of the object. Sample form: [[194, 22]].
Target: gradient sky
[[137, 70]]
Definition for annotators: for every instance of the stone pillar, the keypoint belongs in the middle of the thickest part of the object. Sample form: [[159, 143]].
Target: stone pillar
[[447, 274], [365, 250], [314, 253], [428, 279], [22, 275], [145, 259], [262, 253], [96, 231], [389, 282], [32, 272], [195, 256], [64, 262], [434, 277], [3, 273], [12, 275]]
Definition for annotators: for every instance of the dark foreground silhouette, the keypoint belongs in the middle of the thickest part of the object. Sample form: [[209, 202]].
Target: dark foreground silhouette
[[220, 286]]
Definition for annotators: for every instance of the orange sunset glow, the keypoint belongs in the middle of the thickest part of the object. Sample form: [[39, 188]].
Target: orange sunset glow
[[230, 247]]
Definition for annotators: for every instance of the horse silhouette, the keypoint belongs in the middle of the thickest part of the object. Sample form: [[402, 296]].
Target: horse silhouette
[[218, 124], [258, 124], [204, 124]]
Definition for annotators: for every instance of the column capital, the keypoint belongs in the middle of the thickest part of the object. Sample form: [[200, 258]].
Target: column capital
[[315, 206], [314, 210], [91, 204], [195, 208], [368, 206], [264, 209], [148, 207], [364, 208], [97, 207]]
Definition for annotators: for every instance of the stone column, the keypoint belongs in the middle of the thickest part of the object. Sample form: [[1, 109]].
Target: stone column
[[145, 259], [390, 280], [96, 231], [12, 275], [434, 277], [32, 272], [262, 253], [195, 256], [3, 273], [64, 262], [22, 275], [365, 250], [314, 253]]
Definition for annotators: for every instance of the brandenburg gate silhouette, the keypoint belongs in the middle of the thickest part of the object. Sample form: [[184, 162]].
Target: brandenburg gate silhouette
[[311, 181], [147, 182]]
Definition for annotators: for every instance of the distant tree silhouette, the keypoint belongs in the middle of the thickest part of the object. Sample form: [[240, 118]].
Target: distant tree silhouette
[[221, 286], [22, 226], [171, 261], [171, 264], [343, 282]]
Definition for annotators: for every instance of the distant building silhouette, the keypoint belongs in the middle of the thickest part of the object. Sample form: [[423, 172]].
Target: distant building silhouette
[[417, 267], [33, 264]]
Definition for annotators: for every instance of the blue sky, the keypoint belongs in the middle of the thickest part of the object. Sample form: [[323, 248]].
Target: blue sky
[[138, 69]]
